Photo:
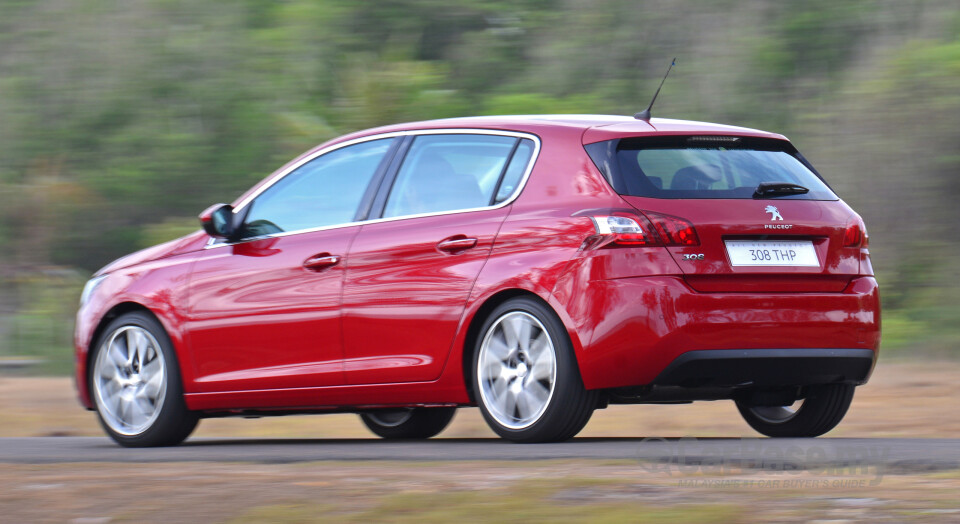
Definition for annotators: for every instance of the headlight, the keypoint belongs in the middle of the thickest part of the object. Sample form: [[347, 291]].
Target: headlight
[[89, 288]]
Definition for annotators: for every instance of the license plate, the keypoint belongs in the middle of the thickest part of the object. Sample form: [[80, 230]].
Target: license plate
[[772, 253]]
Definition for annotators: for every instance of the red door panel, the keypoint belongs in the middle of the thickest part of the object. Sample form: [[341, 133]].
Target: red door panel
[[406, 286], [265, 313]]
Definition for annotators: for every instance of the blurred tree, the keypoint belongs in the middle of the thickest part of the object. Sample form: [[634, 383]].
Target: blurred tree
[[120, 121]]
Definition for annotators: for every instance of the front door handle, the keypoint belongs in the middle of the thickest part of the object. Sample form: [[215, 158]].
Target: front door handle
[[321, 261], [457, 243]]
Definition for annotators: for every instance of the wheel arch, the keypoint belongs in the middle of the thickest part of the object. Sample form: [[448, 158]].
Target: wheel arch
[[116, 311], [473, 330]]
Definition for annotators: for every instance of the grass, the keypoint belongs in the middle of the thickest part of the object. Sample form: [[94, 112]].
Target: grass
[[475, 491], [486, 507], [537, 501]]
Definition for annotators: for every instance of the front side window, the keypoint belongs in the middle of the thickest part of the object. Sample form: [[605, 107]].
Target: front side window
[[456, 171], [325, 191]]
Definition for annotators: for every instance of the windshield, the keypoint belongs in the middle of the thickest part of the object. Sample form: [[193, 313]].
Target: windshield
[[707, 167]]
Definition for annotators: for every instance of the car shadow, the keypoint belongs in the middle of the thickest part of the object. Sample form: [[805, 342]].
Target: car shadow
[[373, 441]]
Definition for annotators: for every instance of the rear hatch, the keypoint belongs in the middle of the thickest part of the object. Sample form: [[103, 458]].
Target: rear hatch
[[764, 220]]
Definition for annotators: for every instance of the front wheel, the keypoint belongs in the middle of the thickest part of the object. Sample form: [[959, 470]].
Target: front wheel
[[820, 411], [525, 375], [408, 423], [136, 384]]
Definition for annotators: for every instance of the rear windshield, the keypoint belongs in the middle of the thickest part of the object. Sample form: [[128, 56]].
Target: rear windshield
[[705, 167]]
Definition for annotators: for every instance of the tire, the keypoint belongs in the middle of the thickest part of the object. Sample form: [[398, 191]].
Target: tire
[[136, 386], [525, 377], [821, 410], [408, 423]]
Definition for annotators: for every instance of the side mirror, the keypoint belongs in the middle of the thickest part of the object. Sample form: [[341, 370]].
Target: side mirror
[[218, 221]]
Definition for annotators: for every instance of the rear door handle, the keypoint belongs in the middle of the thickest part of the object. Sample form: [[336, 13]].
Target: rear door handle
[[458, 243], [321, 261]]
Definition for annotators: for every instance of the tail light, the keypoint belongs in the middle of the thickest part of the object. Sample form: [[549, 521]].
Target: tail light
[[648, 229], [674, 231], [626, 230], [855, 234]]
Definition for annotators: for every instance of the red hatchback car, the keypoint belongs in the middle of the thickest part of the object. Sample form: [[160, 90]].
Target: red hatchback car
[[539, 267]]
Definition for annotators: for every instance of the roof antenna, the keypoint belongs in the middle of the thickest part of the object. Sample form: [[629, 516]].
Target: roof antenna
[[645, 114]]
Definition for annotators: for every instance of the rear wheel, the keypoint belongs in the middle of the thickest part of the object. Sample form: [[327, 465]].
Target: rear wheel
[[136, 384], [820, 411], [525, 376], [408, 423]]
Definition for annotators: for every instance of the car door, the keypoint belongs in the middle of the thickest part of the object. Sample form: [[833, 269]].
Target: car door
[[410, 272], [264, 310]]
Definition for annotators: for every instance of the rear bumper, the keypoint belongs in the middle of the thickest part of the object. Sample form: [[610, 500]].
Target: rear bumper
[[634, 329], [767, 367]]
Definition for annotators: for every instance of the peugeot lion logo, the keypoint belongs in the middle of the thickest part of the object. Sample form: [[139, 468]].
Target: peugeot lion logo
[[774, 214]]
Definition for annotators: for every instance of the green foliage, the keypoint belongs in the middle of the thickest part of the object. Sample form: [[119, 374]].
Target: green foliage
[[118, 125], [169, 229], [43, 326], [539, 104]]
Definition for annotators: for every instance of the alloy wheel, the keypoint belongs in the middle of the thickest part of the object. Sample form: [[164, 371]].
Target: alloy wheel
[[777, 414], [130, 380], [517, 370]]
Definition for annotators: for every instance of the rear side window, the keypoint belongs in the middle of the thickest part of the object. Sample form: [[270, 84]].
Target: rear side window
[[456, 171], [705, 167]]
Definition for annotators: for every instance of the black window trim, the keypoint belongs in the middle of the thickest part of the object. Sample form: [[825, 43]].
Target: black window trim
[[374, 200], [503, 172]]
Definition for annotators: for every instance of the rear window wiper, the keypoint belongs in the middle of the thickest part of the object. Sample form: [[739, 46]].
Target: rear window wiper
[[778, 188]]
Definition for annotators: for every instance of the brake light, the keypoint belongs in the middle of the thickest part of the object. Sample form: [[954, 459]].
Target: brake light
[[674, 231], [625, 230], [855, 234], [852, 236], [648, 229]]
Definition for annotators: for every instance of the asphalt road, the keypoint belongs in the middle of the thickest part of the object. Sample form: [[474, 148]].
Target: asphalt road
[[885, 455]]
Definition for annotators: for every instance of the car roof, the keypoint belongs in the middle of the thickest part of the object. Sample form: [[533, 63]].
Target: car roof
[[595, 128]]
